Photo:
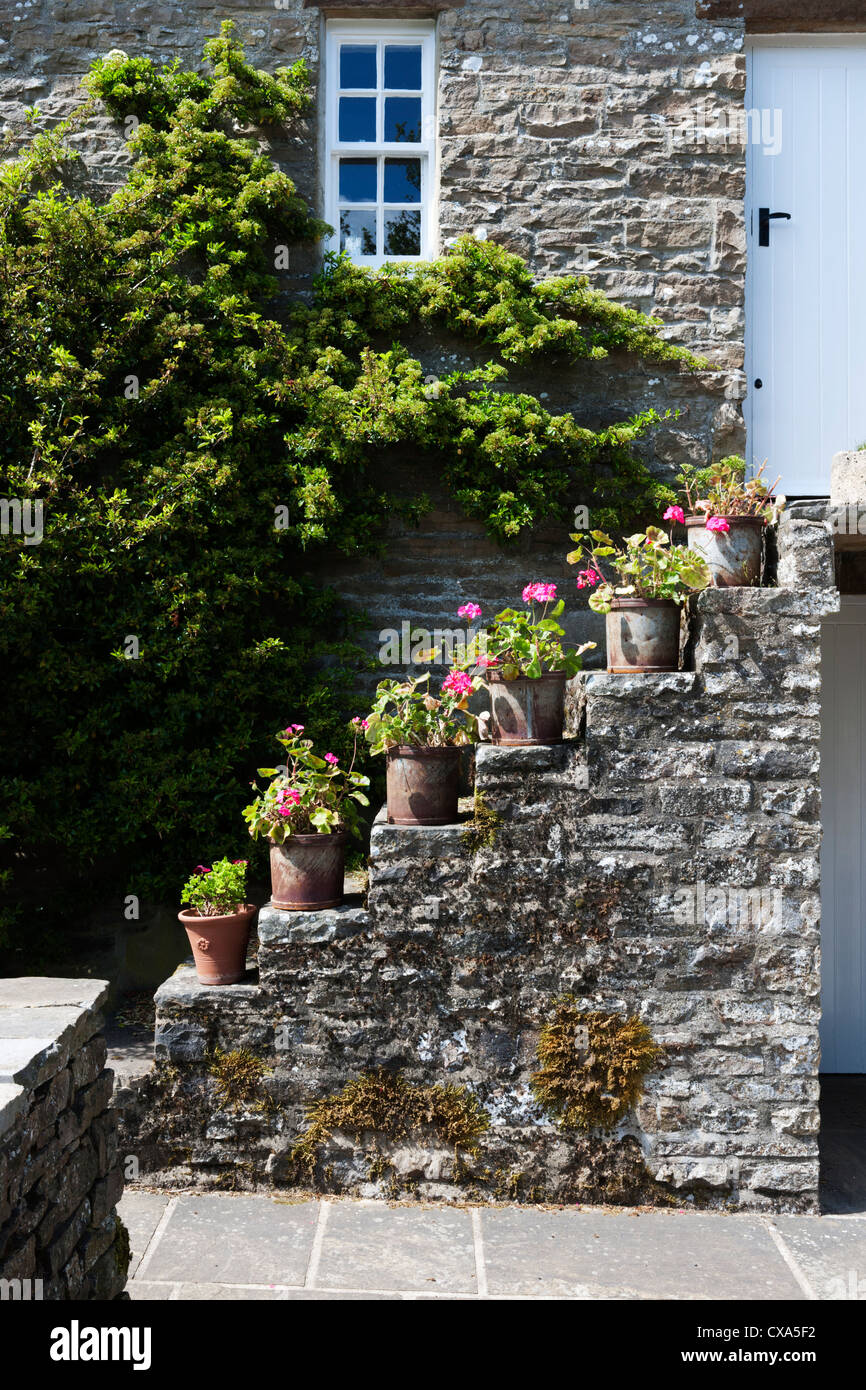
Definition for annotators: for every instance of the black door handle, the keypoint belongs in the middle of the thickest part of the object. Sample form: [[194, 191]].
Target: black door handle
[[765, 217]]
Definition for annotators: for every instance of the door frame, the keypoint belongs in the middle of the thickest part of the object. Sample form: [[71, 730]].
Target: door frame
[[757, 43], [850, 604]]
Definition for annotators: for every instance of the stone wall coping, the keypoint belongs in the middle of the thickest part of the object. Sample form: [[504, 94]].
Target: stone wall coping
[[605, 683], [42, 1022], [13, 1103], [431, 840], [755, 602], [332, 924], [536, 758], [185, 987]]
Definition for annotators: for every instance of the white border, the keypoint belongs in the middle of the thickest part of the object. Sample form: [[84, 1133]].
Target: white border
[[423, 30]]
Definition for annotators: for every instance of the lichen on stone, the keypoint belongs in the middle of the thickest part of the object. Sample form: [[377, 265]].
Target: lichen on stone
[[481, 831], [592, 1065], [238, 1075], [383, 1103]]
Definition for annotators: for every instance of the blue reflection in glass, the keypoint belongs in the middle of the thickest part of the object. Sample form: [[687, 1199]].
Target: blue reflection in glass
[[403, 69], [403, 233], [358, 118], [358, 233], [402, 180], [358, 181], [357, 65], [403, 119]]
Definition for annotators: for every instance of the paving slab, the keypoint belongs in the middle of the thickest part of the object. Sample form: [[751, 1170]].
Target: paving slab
[[830, 1251], [640, 1255], [46, 992], [219, 1238], [397, 1248], [141, 1213]]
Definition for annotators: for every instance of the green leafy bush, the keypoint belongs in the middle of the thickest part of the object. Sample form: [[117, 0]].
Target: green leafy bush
[[309, 795], [164, 405], [218, 890]]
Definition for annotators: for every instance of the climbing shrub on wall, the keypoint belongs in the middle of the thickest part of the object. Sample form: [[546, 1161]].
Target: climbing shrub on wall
[[592, 1065], [160, 401]]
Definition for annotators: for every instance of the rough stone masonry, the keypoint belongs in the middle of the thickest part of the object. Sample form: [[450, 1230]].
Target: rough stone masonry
[[60, 1236], [599, 137], [661, 864]]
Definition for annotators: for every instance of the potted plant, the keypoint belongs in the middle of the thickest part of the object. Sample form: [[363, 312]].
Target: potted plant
[[421, 736], [643, 610], [727, 516], [307, 813], [527, 668], [217, 920]]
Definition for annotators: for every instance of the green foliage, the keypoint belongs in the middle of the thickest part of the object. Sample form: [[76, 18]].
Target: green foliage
[[309, 795], [238, 1076], [647, 565], [528, 641], [383, 1103], [592, 1065], [218, 890], [162, 401], [405, 712], [723, 490], [481, 831]]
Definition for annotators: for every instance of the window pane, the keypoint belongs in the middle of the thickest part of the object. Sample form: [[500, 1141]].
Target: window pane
[[358, 181], [402, 180], [358, 118], [403, 233], [403, 68], [403, 119], [358, 233], [357, 65]]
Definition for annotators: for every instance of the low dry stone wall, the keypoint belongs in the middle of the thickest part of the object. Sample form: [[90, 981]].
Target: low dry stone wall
[[659, 868], [60, 1236]]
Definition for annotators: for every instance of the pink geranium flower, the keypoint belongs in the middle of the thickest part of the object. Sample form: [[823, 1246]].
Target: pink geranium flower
[[362, 723], [470, 611], [202, 869], [718, 523], [484, 662], [329, 758], [675, 514], [457, 683], [587, 579], [539, 593]]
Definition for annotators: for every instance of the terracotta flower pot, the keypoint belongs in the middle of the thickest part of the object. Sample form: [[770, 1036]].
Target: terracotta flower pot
[[423, 785], [643, 635], [734, 556], [307, 872], [219, 944], [527, 711]]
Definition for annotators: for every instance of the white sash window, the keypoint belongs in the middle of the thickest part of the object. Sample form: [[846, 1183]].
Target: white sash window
[[381, 138]]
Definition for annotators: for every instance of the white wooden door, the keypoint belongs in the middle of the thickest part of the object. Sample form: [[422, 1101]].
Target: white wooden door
[[843, 816], [806, 288]]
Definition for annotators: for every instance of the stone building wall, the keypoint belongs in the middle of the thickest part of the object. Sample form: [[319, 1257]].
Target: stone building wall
[[574, 134], [660, 865], [60, 1236]]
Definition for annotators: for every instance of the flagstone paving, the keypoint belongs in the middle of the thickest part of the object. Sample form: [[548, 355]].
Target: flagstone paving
[[241, 1246]]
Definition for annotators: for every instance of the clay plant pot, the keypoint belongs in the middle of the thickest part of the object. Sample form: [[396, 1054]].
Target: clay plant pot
[[219, 944], [643, 635], [423, 785], [307, 872], [734, 556], [527, 711]]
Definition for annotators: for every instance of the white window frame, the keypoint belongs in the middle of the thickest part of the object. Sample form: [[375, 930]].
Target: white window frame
[[410, 32]]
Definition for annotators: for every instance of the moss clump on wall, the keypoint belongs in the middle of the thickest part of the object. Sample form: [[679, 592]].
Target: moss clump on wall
[[121, 1249], [481, 831], [592, 1065], [385, 1104], [238, 1076]]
